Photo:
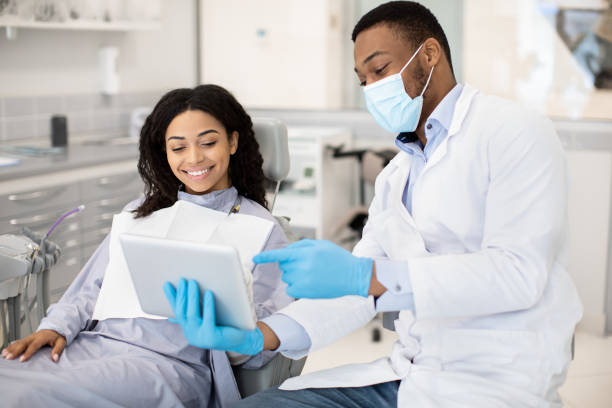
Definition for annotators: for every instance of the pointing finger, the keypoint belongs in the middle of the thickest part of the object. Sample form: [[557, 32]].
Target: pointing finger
[[274, 255]]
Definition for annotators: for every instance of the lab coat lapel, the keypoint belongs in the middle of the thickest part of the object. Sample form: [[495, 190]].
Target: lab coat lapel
[[461, 109], [395, 228], [400, 178]]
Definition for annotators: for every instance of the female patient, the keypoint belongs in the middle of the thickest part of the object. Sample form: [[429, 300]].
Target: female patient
[[197, 145]]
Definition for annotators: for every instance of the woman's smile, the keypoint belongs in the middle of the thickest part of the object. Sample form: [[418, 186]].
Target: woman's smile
[[198, 174]]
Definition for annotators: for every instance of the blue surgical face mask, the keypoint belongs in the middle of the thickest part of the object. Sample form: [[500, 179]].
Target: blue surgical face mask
[[390, 105]]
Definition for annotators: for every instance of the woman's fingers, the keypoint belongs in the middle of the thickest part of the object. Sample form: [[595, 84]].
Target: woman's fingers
[[31, 344], [170, 293], [16, 348], [209, 320], [35, 345], [193, 301], [181, 300], [58, 348]]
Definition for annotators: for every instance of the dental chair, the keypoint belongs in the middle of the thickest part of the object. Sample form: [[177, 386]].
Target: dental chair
[[23, 258], [271, 134]]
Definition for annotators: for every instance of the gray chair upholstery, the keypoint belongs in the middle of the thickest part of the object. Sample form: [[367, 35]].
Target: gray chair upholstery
[[271, 134]]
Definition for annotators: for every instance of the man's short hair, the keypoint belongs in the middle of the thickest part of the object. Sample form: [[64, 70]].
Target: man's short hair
[[412, 21]]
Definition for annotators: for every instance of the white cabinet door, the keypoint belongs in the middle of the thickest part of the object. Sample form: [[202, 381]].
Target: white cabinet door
[[590, 175], [274, 53]]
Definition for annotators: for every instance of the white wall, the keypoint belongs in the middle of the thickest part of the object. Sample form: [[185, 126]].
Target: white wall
[[60, 62]]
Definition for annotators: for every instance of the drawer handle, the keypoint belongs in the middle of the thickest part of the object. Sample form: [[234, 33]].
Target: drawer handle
[[109, 181], [28, 196], [105, 217], [71, 243], [103, 231], [31, 220], [111, 202], [71, 261]]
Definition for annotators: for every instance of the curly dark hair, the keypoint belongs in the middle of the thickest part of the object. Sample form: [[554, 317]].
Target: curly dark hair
[[413, 21], [245, 167]]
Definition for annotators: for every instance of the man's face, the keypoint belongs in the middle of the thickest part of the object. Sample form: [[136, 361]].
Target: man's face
[[380, 52]]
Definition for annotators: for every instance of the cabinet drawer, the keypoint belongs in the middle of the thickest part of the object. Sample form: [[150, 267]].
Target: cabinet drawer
[[95, 236], [112, 186], [40, 222], [31, 202], [88, 250], [99, 213]]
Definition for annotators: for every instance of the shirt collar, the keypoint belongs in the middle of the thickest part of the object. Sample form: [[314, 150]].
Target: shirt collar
[[220, 200], [443, 114]]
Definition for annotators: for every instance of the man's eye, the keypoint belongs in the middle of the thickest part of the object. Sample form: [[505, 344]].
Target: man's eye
[[380, 71]]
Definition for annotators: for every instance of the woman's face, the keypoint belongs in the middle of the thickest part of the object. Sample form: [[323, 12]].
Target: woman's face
[[198, 151]]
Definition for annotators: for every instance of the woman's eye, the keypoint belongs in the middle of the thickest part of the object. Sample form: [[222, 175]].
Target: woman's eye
[[177, 149], [209, 143]]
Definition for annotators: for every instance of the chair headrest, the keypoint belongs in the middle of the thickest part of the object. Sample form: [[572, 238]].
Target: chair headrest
[[271, 134]]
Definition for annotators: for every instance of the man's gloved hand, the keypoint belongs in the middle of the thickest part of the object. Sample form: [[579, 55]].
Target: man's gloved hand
[[199, 324], [320, 269]]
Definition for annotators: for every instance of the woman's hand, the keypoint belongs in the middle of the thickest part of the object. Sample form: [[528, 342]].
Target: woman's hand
[[28, 346], [198, 321]]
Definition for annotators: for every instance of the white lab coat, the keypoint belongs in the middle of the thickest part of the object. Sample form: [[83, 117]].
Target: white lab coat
[[495, 309]]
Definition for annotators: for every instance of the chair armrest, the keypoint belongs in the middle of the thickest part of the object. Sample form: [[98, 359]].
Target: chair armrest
[[272, 374]]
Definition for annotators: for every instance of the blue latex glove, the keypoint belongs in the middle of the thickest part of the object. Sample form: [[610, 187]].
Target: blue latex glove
[[199, 325], [320, 269]]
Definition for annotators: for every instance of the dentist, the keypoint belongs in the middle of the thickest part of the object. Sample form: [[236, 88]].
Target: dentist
[[465, 240]]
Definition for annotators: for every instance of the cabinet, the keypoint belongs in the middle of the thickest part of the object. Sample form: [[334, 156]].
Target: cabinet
[[319, 189], [274, 53], [110, 15], [104, 190], [589, 208]]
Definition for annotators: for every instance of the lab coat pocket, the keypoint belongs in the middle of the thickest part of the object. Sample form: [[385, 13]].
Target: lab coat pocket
[[512, 357]]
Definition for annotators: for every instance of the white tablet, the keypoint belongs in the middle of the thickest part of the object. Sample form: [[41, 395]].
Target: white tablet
[[154, 261]]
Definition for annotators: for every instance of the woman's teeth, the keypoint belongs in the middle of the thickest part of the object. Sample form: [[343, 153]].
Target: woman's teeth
[[197, 173]]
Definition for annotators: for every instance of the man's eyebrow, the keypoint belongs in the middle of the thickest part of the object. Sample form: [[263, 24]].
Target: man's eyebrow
[[199, 134], [370, 57]]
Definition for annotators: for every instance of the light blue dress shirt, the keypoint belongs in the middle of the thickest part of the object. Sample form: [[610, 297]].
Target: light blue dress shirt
[[394, 275]]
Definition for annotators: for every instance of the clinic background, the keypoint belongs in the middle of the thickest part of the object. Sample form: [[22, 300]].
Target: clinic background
[[103, 63]]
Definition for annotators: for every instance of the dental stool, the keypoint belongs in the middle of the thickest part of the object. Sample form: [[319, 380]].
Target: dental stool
[[271, 134]]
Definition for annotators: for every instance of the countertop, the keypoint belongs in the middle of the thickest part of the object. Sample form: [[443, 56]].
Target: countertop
[[77, 155]]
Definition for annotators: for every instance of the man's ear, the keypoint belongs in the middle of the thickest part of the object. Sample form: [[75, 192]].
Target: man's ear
[[234, 142], [433, 51]]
